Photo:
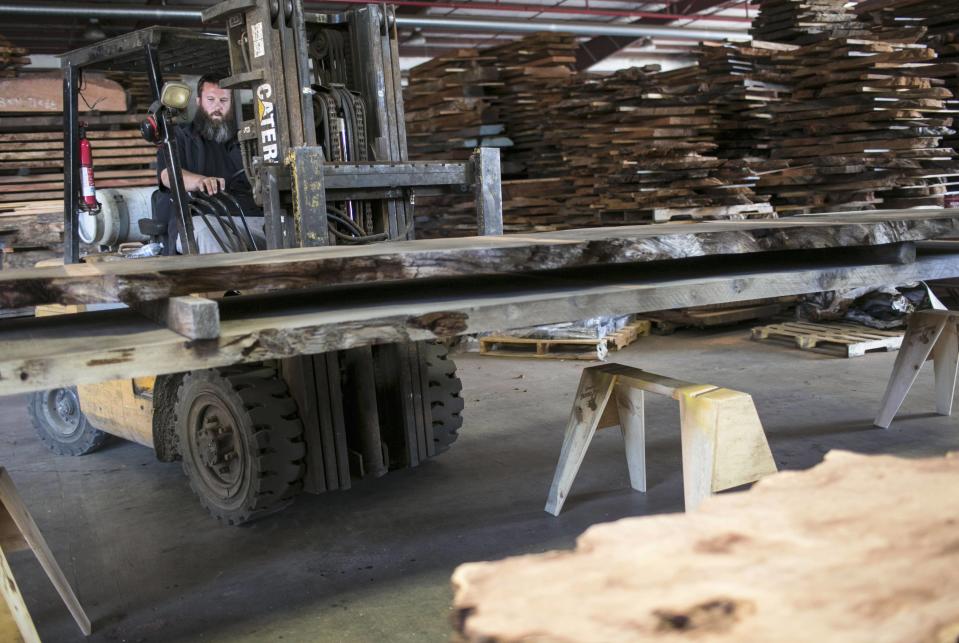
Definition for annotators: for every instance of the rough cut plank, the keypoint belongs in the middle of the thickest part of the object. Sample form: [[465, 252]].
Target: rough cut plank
[[858, 548], [44, 93], [273, 270], [90, 347]]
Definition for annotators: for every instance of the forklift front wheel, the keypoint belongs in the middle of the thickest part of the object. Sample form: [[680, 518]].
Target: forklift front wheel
[[241, 441], [60, 423]]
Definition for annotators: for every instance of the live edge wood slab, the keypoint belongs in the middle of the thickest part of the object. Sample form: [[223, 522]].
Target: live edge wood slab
[[63, 350], [269, 271], [858, 548]]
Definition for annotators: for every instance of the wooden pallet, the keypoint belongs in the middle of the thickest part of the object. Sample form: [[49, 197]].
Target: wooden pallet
[[628, 334], [847, 340], [585, 348], [666, 322], [506, 346]]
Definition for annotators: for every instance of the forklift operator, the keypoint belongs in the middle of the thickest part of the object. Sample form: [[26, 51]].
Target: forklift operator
[[211, 164]]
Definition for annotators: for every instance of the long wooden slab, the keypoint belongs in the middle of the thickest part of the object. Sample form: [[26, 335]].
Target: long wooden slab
[[89, 347], [44, 93], [858, 548], [277, 270]]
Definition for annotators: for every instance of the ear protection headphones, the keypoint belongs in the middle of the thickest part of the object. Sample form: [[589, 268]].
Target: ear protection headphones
[[149, 128]]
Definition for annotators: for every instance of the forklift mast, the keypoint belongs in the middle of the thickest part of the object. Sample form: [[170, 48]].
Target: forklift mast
[[325, 147]]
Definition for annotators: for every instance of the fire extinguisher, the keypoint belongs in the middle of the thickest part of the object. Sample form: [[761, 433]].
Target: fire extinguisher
[[86, 172]]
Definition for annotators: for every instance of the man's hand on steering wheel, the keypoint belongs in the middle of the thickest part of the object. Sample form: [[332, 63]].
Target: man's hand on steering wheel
[[212, 184], [205, 184]]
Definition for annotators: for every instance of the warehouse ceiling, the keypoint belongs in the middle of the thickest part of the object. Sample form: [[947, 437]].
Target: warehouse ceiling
[[46, 31]]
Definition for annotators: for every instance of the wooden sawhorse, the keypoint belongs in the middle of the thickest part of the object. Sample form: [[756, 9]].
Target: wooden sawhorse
[[19, 531], [723, 442], [929, 334]]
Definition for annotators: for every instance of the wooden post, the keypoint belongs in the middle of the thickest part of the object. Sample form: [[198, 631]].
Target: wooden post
[[930, 333], [630, 405], [723, 442], [595, 388]]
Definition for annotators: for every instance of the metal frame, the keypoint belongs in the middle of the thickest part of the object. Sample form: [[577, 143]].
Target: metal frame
[[184, 51], [269, 54]]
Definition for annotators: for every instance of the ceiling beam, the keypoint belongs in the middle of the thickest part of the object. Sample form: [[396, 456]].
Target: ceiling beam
[[601, 47]]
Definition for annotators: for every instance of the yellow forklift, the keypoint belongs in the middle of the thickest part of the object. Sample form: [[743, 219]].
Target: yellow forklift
[[323, 145]]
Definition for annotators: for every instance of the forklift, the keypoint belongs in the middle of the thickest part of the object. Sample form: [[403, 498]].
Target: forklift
[[324, 148]]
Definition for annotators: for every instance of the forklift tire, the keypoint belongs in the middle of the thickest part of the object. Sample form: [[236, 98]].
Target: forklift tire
[[445, 400], [60, 423], [241, 441]]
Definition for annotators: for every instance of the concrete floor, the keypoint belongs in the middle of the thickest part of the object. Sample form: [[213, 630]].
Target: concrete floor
[[373, 563]]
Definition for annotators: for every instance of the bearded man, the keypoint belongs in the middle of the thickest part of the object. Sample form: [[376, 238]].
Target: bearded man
[[211, 163]]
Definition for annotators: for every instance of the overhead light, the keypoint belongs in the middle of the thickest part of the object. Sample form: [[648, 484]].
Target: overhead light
[[93, 32]]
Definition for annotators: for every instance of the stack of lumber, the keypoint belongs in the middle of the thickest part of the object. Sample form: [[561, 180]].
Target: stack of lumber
[[639, 147], [863, 128], [31, 137], [805, 21], [449, 111], [31, 163], [533, 72], [137, 86], [745, 81], [529, 205], [32, 157], [12, 59], [30, 232], [940, 19]]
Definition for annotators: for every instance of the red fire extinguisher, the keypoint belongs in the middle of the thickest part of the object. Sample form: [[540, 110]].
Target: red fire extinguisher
[[86, 172]]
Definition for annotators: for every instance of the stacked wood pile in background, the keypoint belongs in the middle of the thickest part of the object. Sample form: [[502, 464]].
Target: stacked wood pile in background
[[532, 72], [744, 81], [639, 147], [30, 232], [940, 19], [449, 109], [495, 98], [12, 59], [863, 128], [805, 21], [32, 155]]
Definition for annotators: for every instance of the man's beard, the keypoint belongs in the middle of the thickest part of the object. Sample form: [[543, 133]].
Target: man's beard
[[217, 131]]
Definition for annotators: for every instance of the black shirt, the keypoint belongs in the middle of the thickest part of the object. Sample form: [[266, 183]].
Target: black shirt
[[208, 158]]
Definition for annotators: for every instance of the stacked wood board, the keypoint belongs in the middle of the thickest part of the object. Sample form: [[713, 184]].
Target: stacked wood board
[[30, 232], [940, 19], [138, 89], [533, 71], [31, 163], [639, 147], [745, 81], [12, 59], [805, 21], [449, 110], [529, 205], [474, 285], [864, 127]]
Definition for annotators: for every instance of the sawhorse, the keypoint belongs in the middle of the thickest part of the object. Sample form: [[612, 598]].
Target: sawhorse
[[19, 531], [929, 334], [723, 442]]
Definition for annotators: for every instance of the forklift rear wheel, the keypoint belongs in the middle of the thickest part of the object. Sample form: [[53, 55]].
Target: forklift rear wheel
[[241, 441], [61, 425], [445, 400]]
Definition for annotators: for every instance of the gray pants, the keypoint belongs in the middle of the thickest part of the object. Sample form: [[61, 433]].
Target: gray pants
[[206, 243]]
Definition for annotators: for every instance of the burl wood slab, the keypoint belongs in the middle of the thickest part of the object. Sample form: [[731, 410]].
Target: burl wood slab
[[274, 270], [859, 548]]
